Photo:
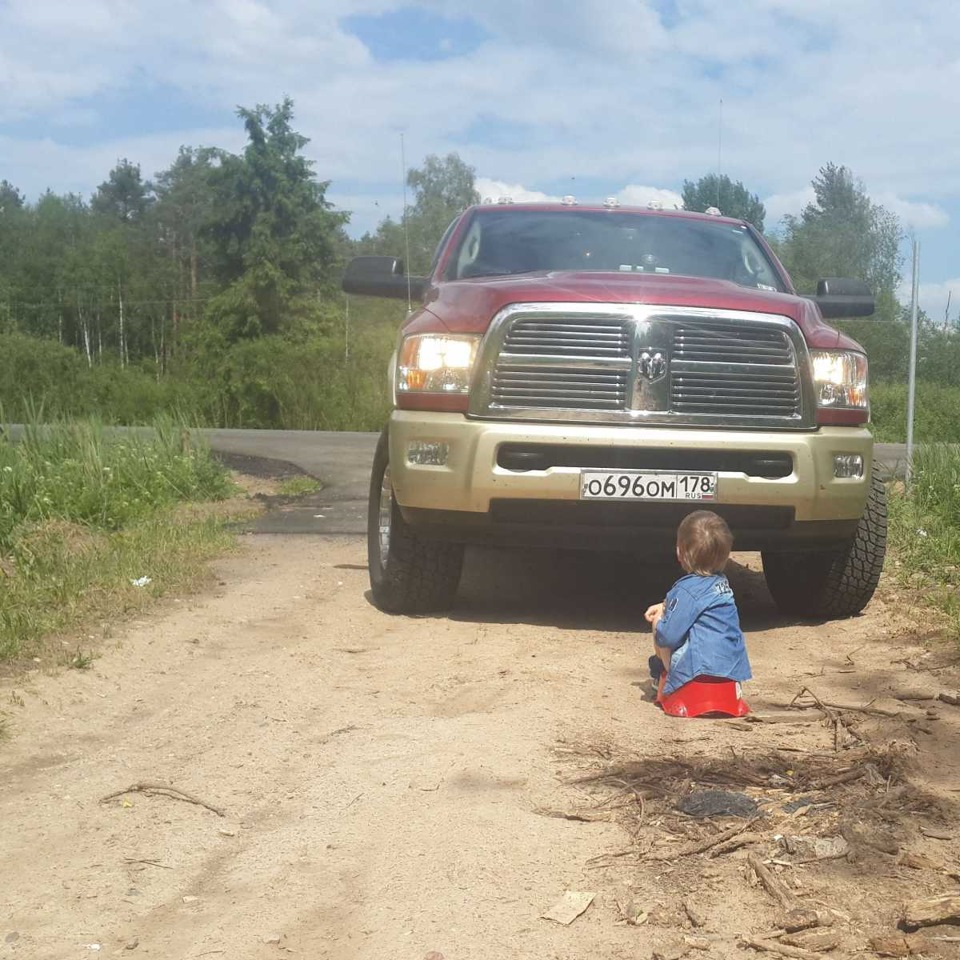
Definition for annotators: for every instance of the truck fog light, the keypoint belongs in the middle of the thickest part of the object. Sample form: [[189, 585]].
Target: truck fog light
[[428, 453], [848, 465]]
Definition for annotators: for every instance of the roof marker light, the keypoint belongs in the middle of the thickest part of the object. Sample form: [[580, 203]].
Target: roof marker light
[[713, 212], [504, 199], [655, 205], [569, 200], [611, 203]]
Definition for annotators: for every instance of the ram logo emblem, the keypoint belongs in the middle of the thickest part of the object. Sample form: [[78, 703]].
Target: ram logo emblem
[[652, 365]]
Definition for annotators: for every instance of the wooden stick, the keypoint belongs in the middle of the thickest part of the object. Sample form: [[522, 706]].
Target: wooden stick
[[163, 789], [701, 845], [773, 885], [848, 776], [828, 707], [932, 911], [734, 843], [774, 946], [814, 697]]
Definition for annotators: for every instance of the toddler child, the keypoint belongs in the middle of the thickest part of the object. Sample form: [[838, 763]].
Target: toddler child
[[696, 629]]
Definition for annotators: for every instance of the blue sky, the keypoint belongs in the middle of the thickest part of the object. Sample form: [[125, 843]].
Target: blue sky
[[542, 98]]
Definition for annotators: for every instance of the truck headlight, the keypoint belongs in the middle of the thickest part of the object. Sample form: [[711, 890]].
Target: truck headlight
[[840, 378], [436, 363]]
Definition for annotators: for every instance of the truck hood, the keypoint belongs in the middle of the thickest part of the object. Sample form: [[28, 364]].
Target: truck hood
[[467, 306]]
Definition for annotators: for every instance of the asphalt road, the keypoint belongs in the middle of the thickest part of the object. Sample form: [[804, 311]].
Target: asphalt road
[[341, 461]]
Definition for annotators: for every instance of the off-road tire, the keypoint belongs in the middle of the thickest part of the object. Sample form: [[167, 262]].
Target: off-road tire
[[835, 584], [419, 575]]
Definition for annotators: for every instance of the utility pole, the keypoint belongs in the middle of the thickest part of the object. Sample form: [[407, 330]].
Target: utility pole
[[719, 151], [406, 233], [912, 389]]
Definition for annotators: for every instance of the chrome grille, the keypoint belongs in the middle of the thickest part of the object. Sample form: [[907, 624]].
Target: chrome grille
[[600, 363], [726, 369], [522, 385], [568, 337]]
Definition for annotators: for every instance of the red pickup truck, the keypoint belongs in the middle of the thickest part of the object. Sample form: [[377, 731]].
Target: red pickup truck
[[584, 376]]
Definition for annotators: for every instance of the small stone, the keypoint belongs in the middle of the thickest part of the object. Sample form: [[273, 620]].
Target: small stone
[[11, 937], [673, 951], [228, 833], [131, 944], [273, 938], [189, 899]]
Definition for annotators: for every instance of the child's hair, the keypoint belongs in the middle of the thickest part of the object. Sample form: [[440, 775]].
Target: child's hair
[[704, 542]]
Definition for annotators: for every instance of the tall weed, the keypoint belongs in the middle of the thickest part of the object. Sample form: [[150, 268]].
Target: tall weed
[[935, 421], [925, 529], [85, 511], [75, 471]]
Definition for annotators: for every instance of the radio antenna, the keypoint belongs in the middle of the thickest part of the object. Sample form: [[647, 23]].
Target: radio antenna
[[406, 232]]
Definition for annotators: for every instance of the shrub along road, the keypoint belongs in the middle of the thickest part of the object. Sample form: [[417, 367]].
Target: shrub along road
[[404, 787]]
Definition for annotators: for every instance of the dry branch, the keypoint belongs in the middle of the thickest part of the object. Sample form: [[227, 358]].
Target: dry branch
[[773, 885], [165, 790], [701, 845], [829, 707], [774, 946], [932, 911], [817, 940], [734, 843], [899, 946]]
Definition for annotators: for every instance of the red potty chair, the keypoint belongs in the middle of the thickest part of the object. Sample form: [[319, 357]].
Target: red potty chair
[[703, 696]]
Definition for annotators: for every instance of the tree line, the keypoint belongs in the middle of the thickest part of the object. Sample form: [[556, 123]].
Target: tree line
[[218, 280]]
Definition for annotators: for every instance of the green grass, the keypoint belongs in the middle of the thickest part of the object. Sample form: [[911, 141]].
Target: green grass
[[81, 660], [75, 472], [925, 531], [299, 486], [936, 419], [84, 515]]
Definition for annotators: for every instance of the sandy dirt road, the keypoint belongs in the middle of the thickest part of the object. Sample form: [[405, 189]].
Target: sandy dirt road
[[390, 785]]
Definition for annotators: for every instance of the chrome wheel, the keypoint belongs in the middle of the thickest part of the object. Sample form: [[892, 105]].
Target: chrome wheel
[[386, 515]]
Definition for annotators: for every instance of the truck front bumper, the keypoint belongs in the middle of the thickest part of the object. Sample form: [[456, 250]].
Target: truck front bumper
[[453, 478]]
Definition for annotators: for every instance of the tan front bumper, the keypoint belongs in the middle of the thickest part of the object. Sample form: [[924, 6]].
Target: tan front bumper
[[471, 477]]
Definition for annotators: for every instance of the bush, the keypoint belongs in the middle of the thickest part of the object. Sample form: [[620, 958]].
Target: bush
[[274, 382], [935, 419], [925, 529], [41, 377], [75, 472], [85, 512]]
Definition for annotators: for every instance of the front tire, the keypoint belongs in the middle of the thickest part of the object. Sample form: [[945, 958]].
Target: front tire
[[408, 574], [829, 584]]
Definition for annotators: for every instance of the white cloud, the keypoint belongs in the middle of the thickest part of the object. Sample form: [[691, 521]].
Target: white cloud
[[780, 205], [637, 195], [493, 189], [46, 163], [916, 216], [582, 88], [936, 298]]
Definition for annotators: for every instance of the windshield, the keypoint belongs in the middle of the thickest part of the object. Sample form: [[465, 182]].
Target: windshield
[[500, 242]]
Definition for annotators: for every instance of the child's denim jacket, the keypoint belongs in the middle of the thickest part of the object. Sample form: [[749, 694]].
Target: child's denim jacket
[[701, 626]]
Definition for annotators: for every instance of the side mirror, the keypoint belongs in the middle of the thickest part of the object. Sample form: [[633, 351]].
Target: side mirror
[[839, 297], [382, 277]]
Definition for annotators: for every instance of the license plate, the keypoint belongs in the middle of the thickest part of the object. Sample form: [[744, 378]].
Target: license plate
[[639, 485]]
